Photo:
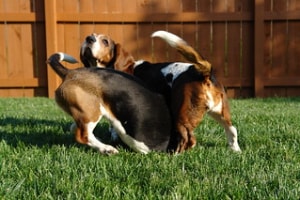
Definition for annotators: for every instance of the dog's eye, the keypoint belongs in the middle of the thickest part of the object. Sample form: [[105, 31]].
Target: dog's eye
[[105, 42]]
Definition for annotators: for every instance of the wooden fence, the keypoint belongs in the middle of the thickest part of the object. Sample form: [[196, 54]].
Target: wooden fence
[[254, 45]]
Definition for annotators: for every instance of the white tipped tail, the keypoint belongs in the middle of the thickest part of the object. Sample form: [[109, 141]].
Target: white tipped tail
[[67, 58], [55, 59], [186, 50], [170, 38]]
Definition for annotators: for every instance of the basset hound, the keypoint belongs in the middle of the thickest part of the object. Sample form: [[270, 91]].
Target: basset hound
[[190, 89], [140, 117]]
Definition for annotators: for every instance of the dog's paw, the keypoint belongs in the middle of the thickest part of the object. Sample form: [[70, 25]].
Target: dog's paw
[[236, 148], [109, 150]]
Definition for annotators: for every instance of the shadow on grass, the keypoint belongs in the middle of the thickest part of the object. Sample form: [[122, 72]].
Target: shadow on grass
[[47, 133], [42, 132]]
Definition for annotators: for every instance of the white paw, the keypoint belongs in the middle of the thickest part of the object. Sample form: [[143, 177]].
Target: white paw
[[235, 147], [108, 150]]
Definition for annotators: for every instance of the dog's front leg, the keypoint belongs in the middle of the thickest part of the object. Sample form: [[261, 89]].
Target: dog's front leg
[[84, 135]]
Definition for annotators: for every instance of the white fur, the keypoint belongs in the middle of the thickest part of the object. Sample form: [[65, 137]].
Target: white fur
[[230, 131], [217, 108], [175, 69], [214, 111], [95, 47], [210, 101], [137, 146], [137, 63], [67, 58], [130, 141], [100, 65], [211, 104], [170, 38], [95, 143]]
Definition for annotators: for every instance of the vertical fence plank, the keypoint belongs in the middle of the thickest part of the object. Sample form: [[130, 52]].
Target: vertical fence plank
[[293, 47], [259, 48], [26, 46], [234, 50], [177, 29], [219, 40], [204, 39], [247, 51], [69, 33], [144, 43], [279, 42], [293, 41], [51, 42], [3, 52], [247, 68]]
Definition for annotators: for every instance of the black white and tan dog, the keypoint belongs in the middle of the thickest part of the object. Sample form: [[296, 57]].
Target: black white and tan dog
[[140, 117], [190, 89]]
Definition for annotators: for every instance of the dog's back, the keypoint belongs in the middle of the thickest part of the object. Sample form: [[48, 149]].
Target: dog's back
[[139, 109], [143, 114]]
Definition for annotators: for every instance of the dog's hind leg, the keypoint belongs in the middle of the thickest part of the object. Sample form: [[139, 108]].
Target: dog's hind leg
[[188, 110], [189, 117], [221, 114], [137, 146], [84, 135], [187, 139]]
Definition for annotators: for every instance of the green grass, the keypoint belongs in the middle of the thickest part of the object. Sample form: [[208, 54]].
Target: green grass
[[41, 160]]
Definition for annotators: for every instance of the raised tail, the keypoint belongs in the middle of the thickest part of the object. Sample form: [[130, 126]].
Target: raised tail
[[186, 50], [55, 59]]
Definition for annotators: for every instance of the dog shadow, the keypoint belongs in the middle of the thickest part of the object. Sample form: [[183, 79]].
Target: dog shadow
[[47, 133], [43, 132]]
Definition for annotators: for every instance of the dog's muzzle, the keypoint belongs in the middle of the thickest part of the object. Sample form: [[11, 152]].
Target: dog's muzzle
[[90, 39]]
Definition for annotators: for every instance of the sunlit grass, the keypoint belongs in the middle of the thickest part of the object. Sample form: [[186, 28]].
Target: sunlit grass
[[41, 160]]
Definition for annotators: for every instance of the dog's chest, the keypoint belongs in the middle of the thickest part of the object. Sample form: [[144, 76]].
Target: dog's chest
[[173, 70]]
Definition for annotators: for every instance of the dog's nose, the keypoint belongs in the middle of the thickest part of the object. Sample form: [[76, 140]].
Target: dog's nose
[[90, 39]]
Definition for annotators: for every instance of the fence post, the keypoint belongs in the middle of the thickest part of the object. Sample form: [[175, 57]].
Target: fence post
[[259, 40], [51, 43]]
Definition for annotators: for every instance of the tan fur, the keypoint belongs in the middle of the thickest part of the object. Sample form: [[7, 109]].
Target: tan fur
[[124, 61], [69, 97], [191, 100], [211, 97], [105, 54], [88, 94], [191, 55]]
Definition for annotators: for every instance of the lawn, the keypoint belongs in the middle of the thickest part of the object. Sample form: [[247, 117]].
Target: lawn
[[41, 160]]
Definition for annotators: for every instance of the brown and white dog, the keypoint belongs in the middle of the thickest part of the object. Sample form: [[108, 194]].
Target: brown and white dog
[[190, 89], [140, 117]]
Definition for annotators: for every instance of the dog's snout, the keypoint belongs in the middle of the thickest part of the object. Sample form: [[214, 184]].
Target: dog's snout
[[90, 39]]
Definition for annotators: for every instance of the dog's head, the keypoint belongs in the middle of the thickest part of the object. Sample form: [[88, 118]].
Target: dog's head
[[101, 51]]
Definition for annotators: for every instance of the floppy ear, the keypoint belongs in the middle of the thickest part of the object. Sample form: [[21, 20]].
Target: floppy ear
[[84, 61], [124, 61], [87, 60]]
